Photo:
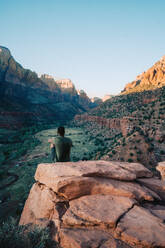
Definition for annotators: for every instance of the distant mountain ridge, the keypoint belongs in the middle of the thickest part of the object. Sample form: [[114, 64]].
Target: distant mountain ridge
[[42, 98], [152, 79]]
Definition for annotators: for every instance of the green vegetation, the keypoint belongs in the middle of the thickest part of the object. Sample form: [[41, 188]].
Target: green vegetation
[[141, 117], [15, 236]]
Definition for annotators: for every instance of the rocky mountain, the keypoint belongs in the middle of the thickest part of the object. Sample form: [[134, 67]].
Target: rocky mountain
[[152, 79], [98, 204], [27, 98], [98, 100]]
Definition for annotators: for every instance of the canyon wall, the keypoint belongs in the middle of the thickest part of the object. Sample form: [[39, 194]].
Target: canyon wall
[[124, 125]]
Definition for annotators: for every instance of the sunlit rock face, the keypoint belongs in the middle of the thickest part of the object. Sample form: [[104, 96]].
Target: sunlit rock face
[[65, 84], [98, 204], [151, 79], [161, 169], [106, 97]]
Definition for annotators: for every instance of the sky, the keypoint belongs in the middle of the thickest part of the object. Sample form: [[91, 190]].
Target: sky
[[101, 45]]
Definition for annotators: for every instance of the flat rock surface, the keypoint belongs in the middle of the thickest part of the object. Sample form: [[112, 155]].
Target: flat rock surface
[[157, 210], [103, 210], [122, 171], [141, 229], [137, 168], [79, 238]]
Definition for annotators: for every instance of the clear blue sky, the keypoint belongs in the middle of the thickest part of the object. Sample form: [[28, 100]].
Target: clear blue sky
[[99, 44]]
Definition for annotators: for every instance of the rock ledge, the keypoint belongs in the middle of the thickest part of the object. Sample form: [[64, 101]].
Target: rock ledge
[[96, 204]]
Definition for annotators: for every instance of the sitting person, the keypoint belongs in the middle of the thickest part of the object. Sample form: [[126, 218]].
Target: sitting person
[[60, 147]]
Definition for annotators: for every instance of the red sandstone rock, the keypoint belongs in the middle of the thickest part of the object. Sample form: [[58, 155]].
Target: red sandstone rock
[[93, 168], [46, 173], [161, 169], [40, 204], [78, 238], [100, 210], [154, 184], [74, 187], [140, 228], [124, 124], [153, 78], [157, 210], [137, 168], [84, 211]]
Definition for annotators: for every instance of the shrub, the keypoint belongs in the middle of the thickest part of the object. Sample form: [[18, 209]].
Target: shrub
[[12, 235], [130, 160], [150, 149]]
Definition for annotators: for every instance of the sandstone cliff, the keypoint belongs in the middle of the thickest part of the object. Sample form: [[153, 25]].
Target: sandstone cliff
[[151, 79], [98, 204]]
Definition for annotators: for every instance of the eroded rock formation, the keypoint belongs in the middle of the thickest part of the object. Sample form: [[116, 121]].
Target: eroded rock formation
[[98, 204], [153, 78]]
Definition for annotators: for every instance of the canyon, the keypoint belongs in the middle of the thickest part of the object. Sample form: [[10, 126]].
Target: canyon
[[100, 201]]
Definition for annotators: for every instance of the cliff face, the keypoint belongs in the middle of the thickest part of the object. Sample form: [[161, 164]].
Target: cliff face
[[98, 204], [124, 125], [151, 79], [27, 99]]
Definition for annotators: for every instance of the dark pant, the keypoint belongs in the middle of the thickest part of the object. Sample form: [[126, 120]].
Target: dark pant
[[53, 154]]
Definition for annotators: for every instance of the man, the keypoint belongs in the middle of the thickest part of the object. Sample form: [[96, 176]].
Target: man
[[60, 147]]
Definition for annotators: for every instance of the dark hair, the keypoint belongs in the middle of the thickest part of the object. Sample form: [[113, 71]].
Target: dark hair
[[61, 131]]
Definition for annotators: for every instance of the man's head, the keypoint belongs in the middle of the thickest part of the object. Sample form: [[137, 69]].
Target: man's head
[[61, 131]]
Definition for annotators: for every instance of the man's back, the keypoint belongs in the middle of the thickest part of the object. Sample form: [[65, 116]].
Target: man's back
[[62, 146]]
